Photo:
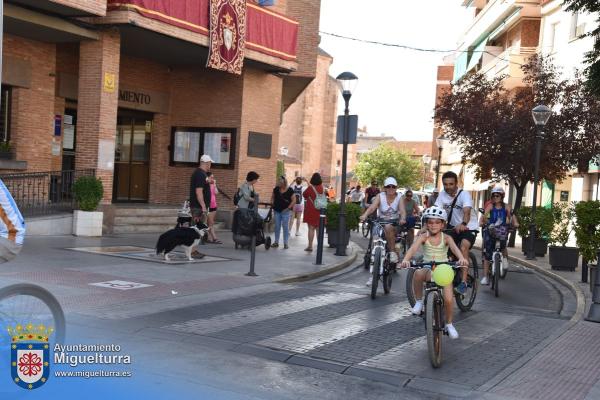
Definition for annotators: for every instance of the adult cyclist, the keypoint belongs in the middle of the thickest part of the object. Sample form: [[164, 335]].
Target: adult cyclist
[[458, 205], [389, 208], [12, 226], [496, 212]]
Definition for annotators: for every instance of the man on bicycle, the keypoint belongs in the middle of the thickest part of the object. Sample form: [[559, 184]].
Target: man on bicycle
[[496, 213], [458, 205], [12, 226], [389, 208]]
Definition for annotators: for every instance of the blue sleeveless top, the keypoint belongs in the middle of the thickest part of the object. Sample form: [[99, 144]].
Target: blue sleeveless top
[[498, 214]]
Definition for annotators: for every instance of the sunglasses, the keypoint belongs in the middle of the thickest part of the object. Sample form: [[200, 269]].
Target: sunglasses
[[409, 195], [496, 195], [390, 187]]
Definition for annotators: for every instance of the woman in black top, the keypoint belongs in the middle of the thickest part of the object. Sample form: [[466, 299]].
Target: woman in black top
[[283, 201]]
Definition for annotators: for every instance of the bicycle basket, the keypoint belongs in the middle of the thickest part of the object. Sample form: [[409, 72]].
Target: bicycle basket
[[499, 232]]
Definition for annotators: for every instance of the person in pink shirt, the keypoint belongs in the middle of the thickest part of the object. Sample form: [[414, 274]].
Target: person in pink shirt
[[212, 209]]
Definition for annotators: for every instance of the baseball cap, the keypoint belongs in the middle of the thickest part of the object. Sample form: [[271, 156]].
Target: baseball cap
[[206, 158], [390, 181]]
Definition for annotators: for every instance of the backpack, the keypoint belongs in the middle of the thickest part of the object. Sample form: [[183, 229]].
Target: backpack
[[320, 200], [236, 197]]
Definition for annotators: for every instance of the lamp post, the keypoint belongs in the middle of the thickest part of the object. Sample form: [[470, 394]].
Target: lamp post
[[541, 115], [440, 144], [347, 82], [426, 160]]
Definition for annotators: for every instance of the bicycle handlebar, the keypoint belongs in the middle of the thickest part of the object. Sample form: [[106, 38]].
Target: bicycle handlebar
[[468, 230], [453, 264]]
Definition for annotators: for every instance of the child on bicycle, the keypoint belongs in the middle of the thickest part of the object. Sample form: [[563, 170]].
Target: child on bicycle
[[435, 249]]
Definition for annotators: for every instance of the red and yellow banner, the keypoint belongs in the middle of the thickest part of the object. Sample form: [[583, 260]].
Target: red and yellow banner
[[227, 35], [267, 32]]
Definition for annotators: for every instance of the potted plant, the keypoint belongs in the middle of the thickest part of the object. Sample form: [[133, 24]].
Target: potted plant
[[587, 230], [5, 150], [88, 191], [561, 256], [353, 212], [544, 220]]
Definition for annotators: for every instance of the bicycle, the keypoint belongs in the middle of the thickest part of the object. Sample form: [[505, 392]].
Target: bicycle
[[435, 321], [465, 300], [24, 303], [379, 260], [500, 234]]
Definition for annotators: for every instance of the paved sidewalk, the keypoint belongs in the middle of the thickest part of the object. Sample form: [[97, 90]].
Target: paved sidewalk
[[77, 278], [566, 364]]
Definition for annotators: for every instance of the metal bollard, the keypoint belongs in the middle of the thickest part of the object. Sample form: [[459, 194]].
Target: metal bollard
[[320, 237], [252, 256], [594, 313]]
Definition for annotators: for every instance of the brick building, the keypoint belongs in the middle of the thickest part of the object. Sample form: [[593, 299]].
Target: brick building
[[121, 87]]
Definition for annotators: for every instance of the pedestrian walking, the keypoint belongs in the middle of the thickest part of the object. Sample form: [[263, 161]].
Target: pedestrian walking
[[247, 194], [412, 212], [212, 209], [200, 194], [298, 189], [331, 194], [283, 201], [313, 196]]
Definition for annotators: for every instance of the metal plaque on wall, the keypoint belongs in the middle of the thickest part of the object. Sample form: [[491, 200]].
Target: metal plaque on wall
[[259, 145]]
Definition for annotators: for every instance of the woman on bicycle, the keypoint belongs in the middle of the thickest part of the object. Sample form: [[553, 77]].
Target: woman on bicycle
[[495, 211], [435, 249]]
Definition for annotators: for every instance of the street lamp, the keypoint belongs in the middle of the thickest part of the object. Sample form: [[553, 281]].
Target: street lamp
[[426, 160], [347, 82], [440, 144], [541, 115]]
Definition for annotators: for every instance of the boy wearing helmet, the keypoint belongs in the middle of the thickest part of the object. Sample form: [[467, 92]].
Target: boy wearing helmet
[[435, 249], [495, 212], [387, 204]]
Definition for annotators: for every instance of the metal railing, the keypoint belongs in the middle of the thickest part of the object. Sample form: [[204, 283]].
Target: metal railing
[[43, 193]]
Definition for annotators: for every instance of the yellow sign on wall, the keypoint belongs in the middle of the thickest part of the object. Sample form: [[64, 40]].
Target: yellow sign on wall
[[110, 82]]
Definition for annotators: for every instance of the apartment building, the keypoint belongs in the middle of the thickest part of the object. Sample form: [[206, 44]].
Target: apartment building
[[121, 87]]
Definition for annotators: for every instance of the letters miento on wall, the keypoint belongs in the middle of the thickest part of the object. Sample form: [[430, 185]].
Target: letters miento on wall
[[188, 144], [259, 145]]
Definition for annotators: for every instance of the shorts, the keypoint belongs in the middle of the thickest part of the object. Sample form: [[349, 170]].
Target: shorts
[[490, 245], [459, 237], [212, 209], [410, 222], [298, 208]]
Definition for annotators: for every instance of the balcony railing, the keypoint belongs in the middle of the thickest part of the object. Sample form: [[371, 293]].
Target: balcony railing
[[44, 193]]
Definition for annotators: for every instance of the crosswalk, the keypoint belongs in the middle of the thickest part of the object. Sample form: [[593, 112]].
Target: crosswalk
[[348, 328]]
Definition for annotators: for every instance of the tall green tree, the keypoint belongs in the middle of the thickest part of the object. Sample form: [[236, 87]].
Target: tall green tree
[[592, 58], [386, 160]]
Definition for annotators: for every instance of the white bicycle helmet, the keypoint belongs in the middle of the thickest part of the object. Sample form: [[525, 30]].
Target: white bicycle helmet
[[435, 212], [498, 189]]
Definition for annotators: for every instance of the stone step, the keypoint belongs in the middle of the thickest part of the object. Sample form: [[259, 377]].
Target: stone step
[[146, 220], [142, 228], [146, 212]]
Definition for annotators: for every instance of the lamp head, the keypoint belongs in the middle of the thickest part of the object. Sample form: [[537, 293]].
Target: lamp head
[[347, 82], [541, 115]]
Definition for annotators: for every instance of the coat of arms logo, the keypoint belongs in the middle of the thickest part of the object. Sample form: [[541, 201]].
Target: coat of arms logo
[[30, 355], [229, 32]]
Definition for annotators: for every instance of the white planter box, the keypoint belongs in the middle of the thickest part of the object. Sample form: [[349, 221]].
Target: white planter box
[[87, 223]]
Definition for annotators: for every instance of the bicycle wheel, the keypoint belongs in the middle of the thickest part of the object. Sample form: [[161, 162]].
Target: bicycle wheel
[[496, 273], [503, 272], [25, 303], [410, 290], [367, 257], [377, 255], [387, 280], [433, 324], [465, 301]]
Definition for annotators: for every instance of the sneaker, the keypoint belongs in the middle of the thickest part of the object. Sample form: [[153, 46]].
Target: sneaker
[[275, 244], [285, 246], [485, 280], [393, 257], [451, 331], [370, 281], [418, 308], [297, 233], [461, 288]]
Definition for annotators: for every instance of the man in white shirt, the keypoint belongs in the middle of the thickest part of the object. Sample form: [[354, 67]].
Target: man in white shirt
[[458, 205]]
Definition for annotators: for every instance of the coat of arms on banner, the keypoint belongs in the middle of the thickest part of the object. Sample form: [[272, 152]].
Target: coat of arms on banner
[[227, 35], [30, 355]]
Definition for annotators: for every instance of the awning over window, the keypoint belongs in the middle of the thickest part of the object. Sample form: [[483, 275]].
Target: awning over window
[[460, 66], [476, 54]]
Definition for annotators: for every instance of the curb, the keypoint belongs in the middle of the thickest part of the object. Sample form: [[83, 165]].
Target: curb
[[326, 271], [579, 296]]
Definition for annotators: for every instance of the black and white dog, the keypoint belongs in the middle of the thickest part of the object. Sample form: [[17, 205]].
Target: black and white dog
[[181, 236]]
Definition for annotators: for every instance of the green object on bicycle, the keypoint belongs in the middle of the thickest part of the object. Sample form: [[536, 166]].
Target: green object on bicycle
[[443, 275]]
